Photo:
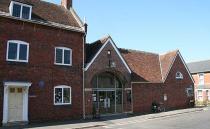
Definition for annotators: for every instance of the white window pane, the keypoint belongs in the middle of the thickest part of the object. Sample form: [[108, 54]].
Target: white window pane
[[25, 12], [59, 55], [58, 95], [12, 52], [16, 10], [67, 56], [23, 52], [66, 95]]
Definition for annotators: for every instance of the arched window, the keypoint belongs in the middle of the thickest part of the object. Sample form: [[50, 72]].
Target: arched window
[[62, 95], [17, 51], [179, 75]]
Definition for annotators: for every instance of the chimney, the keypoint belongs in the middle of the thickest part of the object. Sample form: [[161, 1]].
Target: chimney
[[66, 3]]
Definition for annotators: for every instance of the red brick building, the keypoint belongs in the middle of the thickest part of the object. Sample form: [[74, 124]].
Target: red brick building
[[129, 81], [41, 61], [201, 73], [46, 73]]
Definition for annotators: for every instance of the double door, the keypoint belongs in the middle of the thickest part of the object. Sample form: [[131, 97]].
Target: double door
[[108, 102]]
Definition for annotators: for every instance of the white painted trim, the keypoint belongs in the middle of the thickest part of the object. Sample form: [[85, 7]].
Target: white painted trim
[[161, 70], [62, 87], [170, 67], [18, 84], [63, 49], [186, 67], [178, 53], [115, 48], [199, 79], [79, 21], [18, 42], [7, 85], [21, 12], [179, 77]]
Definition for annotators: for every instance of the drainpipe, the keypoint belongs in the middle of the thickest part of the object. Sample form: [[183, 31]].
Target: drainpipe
[[83, 77], [83, 67]]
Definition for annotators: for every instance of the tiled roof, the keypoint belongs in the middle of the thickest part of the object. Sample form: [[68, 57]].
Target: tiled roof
[[46, 12], [166, 60], [145, 66], [93, 48], [199, 67]]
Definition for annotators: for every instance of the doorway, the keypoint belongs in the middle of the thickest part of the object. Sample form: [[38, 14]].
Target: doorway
[[15, 105]]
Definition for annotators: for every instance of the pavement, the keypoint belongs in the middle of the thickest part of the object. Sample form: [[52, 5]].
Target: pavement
[[107, 122]]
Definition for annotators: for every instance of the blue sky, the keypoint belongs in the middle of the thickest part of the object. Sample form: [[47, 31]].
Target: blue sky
[[150, 25]]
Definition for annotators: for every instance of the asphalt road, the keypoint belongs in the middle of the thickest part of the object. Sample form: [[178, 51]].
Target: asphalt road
[[193, 120]]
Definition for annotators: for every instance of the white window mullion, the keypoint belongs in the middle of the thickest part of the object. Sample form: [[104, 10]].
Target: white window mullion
[[70, 96], [21, 9], [18, 51], [62, 95], [63, 57]]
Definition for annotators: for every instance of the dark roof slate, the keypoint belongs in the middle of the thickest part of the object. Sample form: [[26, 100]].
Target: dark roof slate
[[199, 67]]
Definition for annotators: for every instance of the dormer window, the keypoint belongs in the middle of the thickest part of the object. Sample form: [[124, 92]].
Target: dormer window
[[20, 10], [179, 75]]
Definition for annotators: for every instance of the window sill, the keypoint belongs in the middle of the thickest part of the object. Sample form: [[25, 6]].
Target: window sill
[[179, 78], [63, 64], [21, 61], [64, 104]]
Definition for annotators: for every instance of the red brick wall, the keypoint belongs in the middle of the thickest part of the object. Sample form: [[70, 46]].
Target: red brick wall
[[206, 78], [101, 65], [144, 95], [176, 89], [42, 42]]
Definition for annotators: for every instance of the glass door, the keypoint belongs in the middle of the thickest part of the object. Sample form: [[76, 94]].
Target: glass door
[[106, 102]]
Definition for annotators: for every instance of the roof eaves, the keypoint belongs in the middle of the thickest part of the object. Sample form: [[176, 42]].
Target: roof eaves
[[48, 23], [79, 21]]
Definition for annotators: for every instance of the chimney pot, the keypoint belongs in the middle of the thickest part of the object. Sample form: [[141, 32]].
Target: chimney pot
[[66, 3]]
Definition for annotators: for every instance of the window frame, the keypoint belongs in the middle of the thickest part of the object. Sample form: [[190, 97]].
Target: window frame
[[63, 49], [208, 94], [199, 79], [63, 87], [21, 9], [200, 97], [189, 90], [18, 42], [180, 77]]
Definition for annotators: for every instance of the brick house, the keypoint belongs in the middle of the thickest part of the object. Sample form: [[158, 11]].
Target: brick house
[[129, 81], [48, 72], [41, 61], [201, 73]]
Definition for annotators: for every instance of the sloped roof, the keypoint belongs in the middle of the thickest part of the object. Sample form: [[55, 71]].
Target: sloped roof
[[199, 67], [166, 60], [46, 12], [145, 66], [93, 48]]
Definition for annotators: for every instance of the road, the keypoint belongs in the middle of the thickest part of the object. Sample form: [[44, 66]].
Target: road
[[180, 119], [194, 120]]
